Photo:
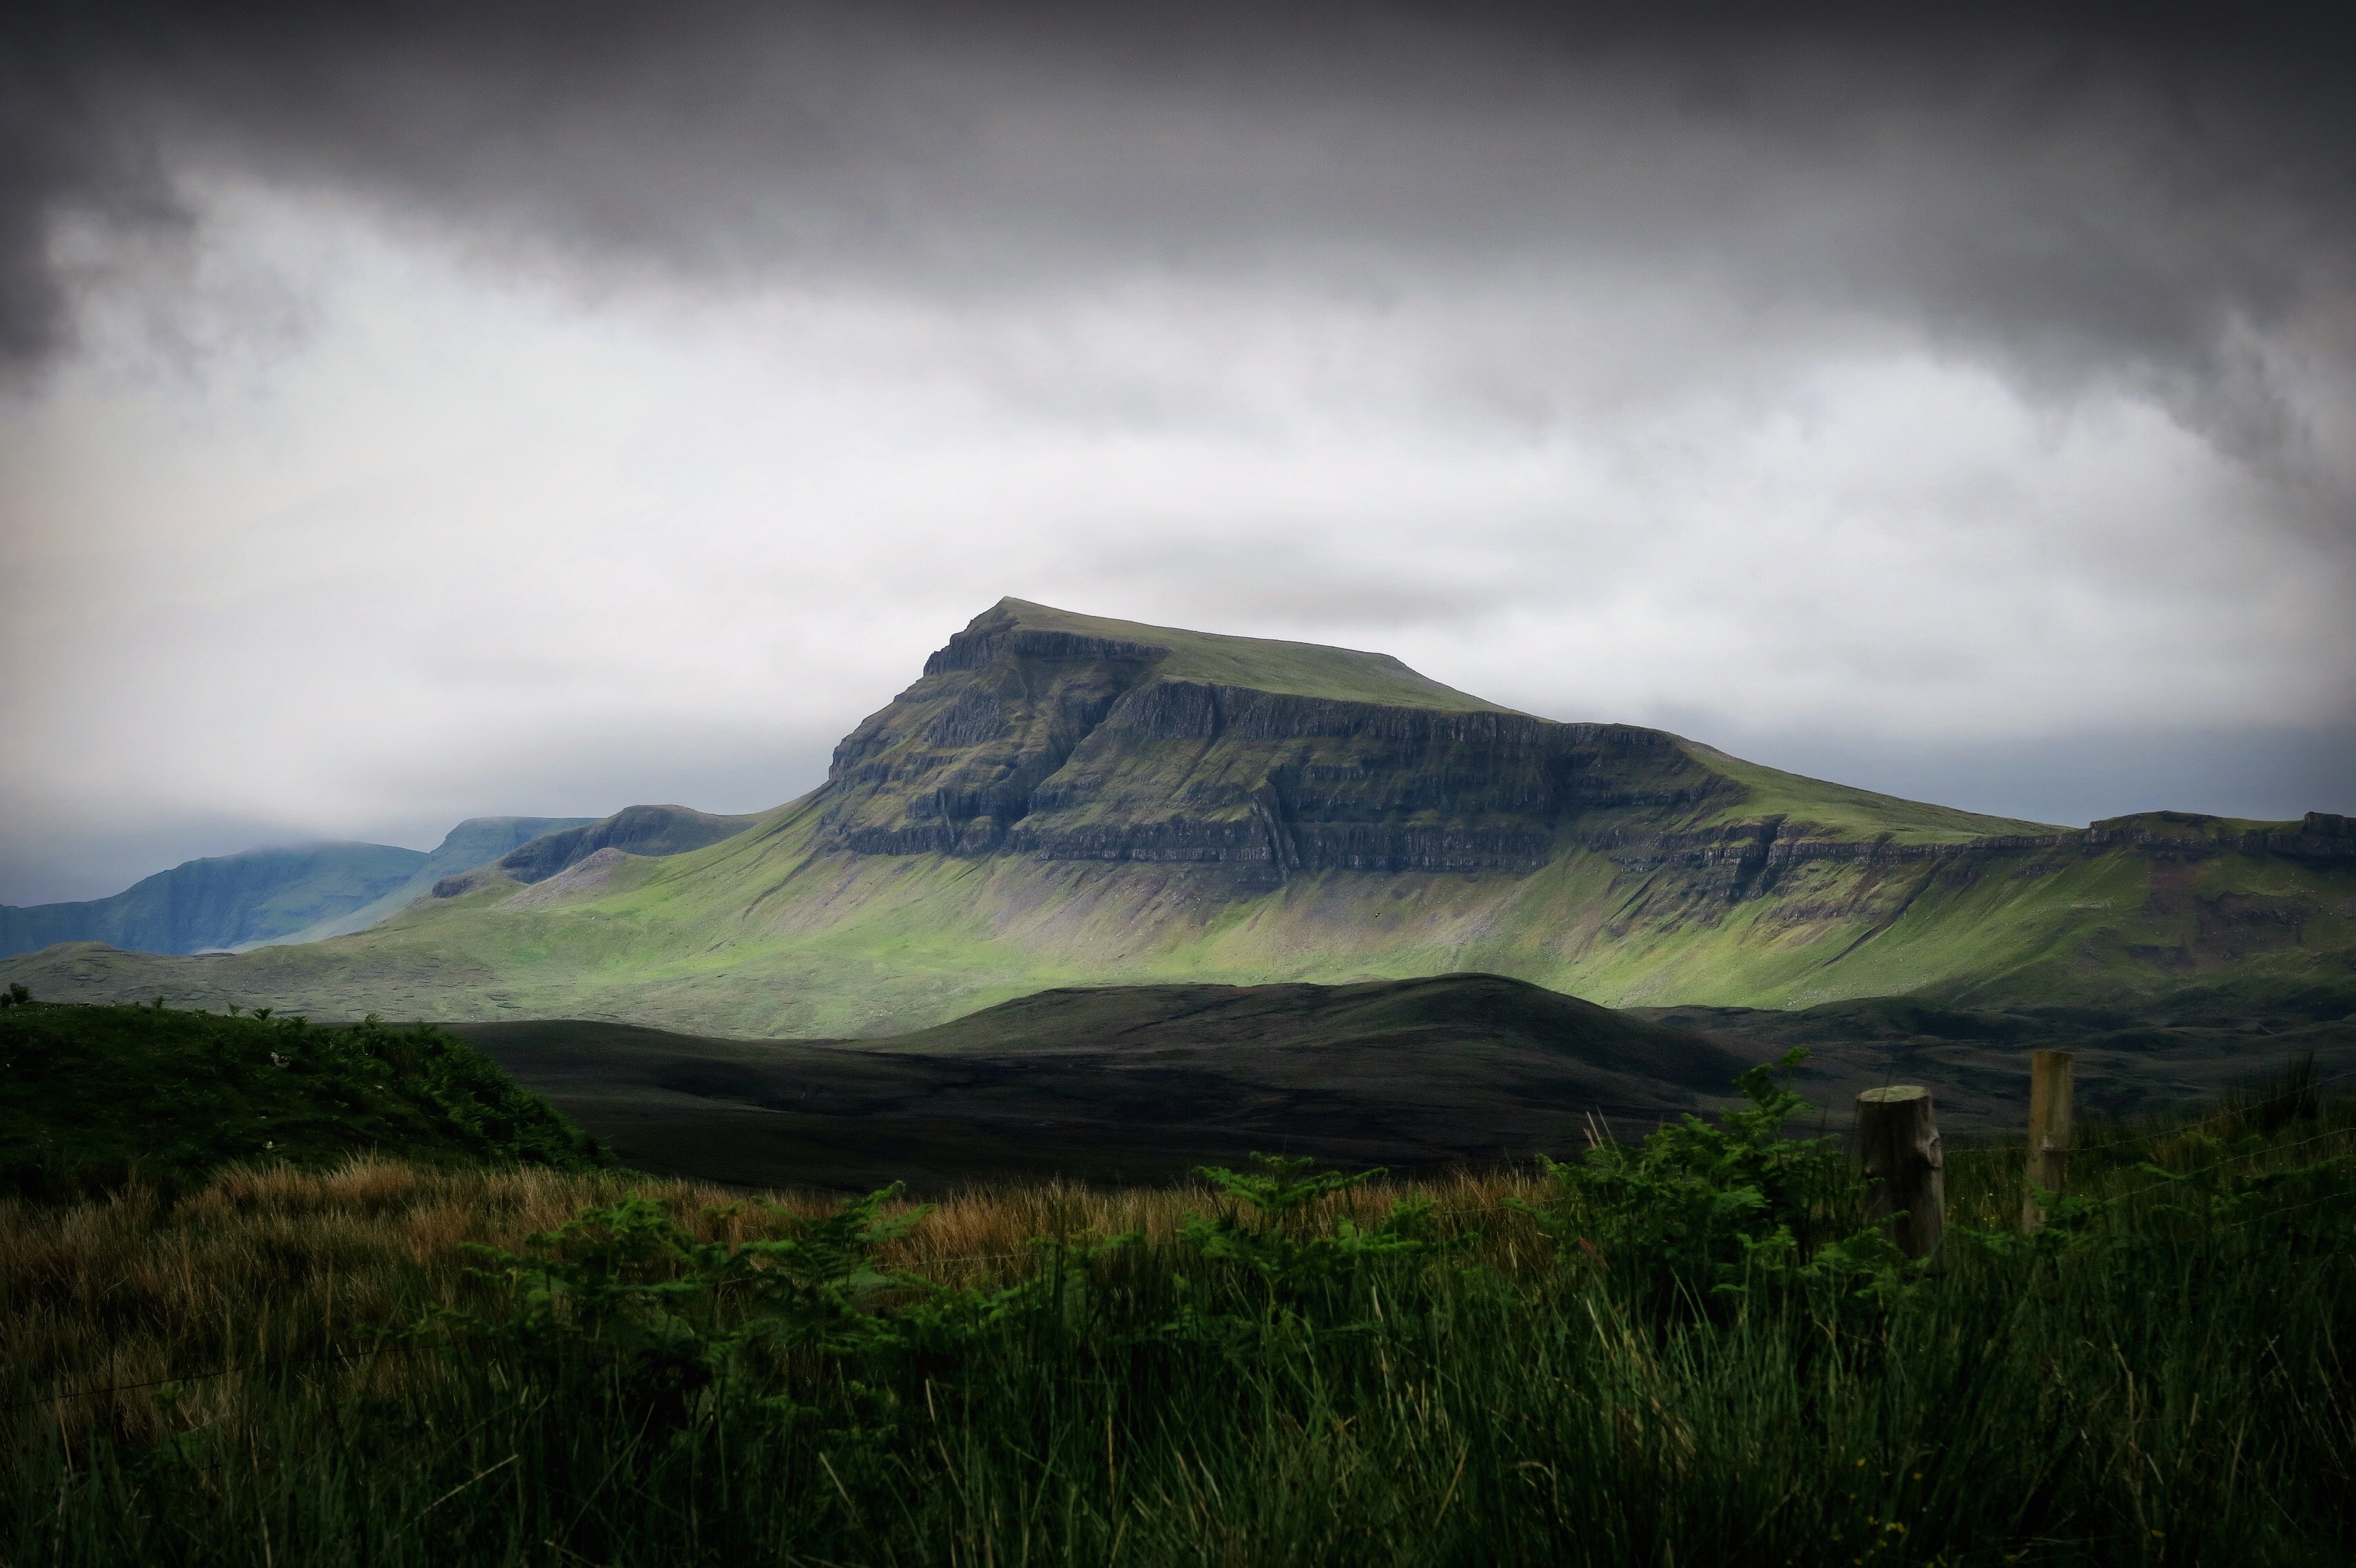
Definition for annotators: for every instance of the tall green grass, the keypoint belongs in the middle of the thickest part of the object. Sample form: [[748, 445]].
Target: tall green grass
[[1277, 1368]]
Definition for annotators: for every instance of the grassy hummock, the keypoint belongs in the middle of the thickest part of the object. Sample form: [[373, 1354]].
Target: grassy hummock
[[89, 1096]]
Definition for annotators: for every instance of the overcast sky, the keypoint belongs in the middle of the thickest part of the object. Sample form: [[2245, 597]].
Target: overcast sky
[[415, 413]]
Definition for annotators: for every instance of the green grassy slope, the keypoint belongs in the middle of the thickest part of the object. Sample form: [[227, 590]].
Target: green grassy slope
[[1841, 812], [757, 936], [89, 1093]]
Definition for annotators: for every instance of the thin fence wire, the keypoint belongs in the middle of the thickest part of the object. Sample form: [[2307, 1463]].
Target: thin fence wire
[[2177, 1178], [2157, 1134]]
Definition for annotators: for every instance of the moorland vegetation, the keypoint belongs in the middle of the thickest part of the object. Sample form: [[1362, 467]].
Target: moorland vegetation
[[93, 1098], [1692, 1349]]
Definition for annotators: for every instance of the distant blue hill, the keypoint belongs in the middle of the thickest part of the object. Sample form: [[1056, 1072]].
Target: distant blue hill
[[298, 893]]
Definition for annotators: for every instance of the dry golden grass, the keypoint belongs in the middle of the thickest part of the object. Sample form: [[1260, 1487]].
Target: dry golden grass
[[276, 1265], [261, 1265], [977, 1233]]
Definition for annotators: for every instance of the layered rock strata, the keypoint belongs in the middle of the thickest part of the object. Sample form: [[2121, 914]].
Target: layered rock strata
[[1061, 746]]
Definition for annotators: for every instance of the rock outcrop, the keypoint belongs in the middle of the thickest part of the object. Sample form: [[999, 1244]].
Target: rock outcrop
[[2320, 836], [633, 830]]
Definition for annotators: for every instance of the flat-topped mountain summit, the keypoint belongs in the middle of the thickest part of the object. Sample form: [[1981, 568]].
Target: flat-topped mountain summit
[[1062, 800], [1041, 733]]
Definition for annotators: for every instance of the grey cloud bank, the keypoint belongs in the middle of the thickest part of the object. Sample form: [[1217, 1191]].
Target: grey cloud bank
[[445, 403]]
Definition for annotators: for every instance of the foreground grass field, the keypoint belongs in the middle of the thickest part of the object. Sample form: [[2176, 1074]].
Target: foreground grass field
[[1694, 1353]]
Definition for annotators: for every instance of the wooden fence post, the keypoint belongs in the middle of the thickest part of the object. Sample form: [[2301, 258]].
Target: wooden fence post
[[1899, 1140], [2051, 1078]]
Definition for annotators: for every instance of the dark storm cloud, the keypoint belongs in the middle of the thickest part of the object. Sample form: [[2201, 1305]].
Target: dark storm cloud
[[2074, 194]]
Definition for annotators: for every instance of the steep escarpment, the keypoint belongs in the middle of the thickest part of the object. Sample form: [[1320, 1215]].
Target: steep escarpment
[[1028, 736], [2318, 838], [956, 758], [1040, 734], [1193, 772]]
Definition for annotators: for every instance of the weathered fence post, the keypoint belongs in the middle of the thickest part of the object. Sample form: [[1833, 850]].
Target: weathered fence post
[[2050, 1075], [1899, 1140]]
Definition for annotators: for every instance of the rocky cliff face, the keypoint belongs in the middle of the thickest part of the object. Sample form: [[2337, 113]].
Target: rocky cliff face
[[633, 830], [2319, 837], [1039, 735], [653, 831], [1046, 743]]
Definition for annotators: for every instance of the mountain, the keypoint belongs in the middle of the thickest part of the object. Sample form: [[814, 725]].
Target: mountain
[[474, 842], [1062, 799], [222, 901], [311, 892], [298, 894]]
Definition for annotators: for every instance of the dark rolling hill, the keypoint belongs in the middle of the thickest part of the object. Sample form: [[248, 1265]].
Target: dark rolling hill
[[1128, 1084], [1141, 1083]]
